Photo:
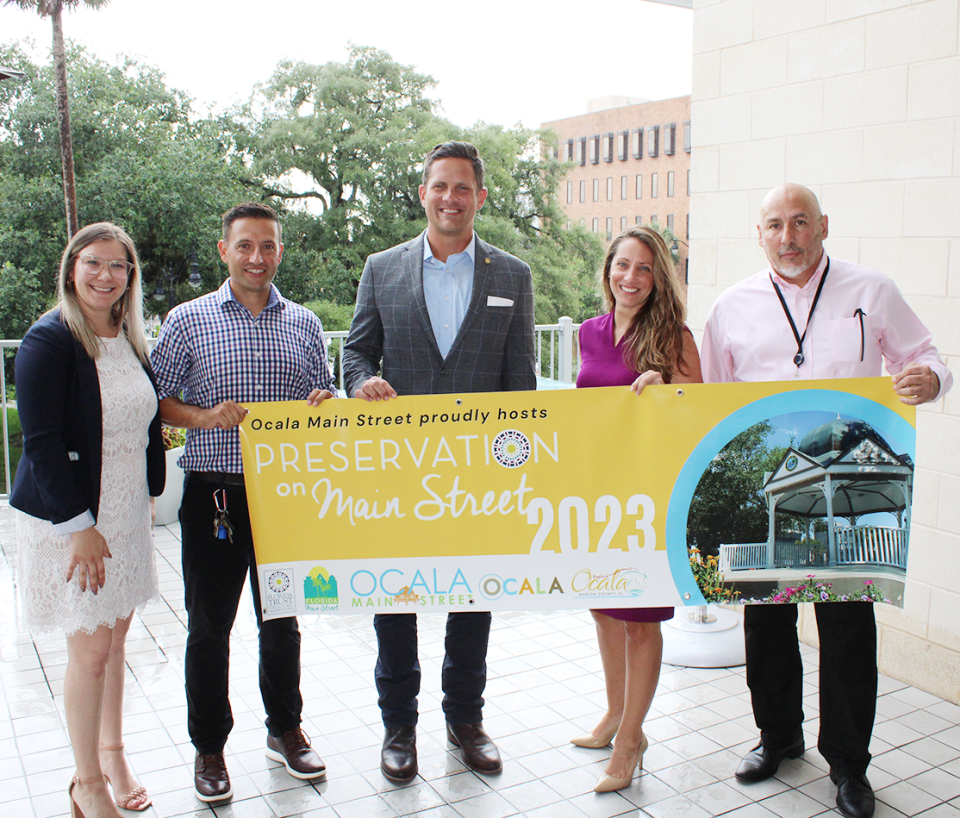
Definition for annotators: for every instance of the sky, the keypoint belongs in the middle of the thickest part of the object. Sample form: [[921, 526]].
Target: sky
[[514, 61]]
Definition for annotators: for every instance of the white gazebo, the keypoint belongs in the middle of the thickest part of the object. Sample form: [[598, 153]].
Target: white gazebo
[[844, 469]]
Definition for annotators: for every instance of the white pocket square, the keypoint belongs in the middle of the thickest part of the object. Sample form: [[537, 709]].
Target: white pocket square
[[497, 301]]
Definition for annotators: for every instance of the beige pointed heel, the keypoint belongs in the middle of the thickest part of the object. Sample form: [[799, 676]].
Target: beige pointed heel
[[609, 783], [595, 742]]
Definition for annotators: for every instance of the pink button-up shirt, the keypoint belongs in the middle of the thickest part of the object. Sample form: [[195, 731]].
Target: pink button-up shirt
[[748, 336]]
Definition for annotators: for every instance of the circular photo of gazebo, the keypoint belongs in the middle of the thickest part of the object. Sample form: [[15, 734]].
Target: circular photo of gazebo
[[806, 506]]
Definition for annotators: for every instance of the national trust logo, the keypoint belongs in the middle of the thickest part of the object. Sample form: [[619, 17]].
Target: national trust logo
[[511, 448]]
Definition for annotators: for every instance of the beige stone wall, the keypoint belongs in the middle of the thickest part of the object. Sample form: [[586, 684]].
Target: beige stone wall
[[860, 101]]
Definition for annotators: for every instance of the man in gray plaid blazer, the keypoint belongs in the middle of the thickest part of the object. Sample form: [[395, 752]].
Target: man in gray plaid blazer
[[442, 313]]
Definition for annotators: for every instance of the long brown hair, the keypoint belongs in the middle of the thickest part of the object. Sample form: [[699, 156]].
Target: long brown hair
[[654, 339], [127, 313]]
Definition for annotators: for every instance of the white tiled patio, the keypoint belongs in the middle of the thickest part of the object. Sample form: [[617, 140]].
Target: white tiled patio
[[545, 686]]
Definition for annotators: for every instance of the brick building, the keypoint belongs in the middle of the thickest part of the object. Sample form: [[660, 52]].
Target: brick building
[[631, 166]]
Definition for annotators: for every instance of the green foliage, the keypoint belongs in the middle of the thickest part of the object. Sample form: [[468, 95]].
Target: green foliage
[[706, 572], [140, 162], [337, 148], [16, 447], [728, 505], [334, 317], [344, 139], [21, 302]]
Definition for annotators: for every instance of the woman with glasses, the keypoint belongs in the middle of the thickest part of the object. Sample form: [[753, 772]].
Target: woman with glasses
[[641, 340], [92, 460]]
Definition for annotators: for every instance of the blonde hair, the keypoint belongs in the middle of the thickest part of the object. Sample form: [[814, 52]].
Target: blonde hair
[[127, 313], [654, 339]]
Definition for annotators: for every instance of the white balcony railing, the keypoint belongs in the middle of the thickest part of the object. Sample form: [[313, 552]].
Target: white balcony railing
[[860, 545]]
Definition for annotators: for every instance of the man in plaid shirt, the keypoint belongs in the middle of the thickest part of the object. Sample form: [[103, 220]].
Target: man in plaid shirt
[[243, 343]]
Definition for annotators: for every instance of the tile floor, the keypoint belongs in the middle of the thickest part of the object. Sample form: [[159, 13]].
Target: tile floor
[[545, 686]]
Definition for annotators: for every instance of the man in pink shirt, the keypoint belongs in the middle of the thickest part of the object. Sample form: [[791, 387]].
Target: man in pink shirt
[[809, 316]]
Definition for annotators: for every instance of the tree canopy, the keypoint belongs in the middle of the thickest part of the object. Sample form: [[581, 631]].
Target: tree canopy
[[337, 148], [729, 505]]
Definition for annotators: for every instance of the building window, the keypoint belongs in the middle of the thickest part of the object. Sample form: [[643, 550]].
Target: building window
[[670, 139], [639, 219], [583, 191], [687, 144], [568, 150], [688, 183], [583, 222], [596, 190], [654, 220], [688, 229], [594, 149], [670, 223], [580, 151], [569, 192], [596, 225], [636, 143], [654, 185], [639, 185], [607, 147], [624, 187], [653, 141], [670, 176], [623, 145], [609, 188], [623, 223], [609, 228]]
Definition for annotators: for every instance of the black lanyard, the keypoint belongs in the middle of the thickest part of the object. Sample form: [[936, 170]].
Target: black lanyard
[[798, 358]]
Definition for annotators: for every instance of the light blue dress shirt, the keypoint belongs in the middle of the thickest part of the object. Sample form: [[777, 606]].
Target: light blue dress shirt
[[447, 288]]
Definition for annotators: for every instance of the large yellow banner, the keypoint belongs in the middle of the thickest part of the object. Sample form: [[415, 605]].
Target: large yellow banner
[[532, 500]]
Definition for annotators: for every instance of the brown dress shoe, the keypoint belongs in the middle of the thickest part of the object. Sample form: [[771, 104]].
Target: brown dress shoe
[[479, 751], [293, 750], [398, 756], [211, 779]]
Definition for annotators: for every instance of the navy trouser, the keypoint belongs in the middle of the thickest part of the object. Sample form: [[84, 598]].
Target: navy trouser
[[214, 571], [464, 673], [848, 678]]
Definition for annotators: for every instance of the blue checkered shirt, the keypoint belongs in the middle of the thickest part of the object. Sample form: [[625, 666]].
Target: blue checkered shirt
[[212, 349]]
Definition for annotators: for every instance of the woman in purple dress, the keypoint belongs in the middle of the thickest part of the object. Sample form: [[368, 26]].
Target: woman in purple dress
[[641, 340]]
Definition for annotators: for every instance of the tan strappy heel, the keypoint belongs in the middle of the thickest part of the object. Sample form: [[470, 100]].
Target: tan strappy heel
[[138, 795]]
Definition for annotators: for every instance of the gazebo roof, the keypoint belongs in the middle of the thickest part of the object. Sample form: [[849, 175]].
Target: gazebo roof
[[832, 439], [867, 475]]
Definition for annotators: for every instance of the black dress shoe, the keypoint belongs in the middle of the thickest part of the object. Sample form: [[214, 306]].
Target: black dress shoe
[[855, 797], [762, 762], [398, 756], [211, 781], [479, 751]]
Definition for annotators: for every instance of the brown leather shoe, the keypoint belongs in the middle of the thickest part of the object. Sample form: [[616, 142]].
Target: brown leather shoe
[[398, 756], [479, 751], [293, 750], [211, 781]]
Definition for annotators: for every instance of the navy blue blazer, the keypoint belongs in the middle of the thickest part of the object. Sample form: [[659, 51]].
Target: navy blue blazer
[[58, 397]]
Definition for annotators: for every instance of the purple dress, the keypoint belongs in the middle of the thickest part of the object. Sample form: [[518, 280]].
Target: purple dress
[[602, 365]]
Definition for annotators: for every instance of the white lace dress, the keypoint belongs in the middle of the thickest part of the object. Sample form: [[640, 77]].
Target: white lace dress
[[51, 604]]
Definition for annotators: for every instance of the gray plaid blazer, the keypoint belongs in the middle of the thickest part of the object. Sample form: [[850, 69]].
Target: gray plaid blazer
[[391, 334]]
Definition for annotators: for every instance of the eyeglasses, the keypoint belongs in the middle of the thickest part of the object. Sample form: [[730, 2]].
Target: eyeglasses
[[94, 266]]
